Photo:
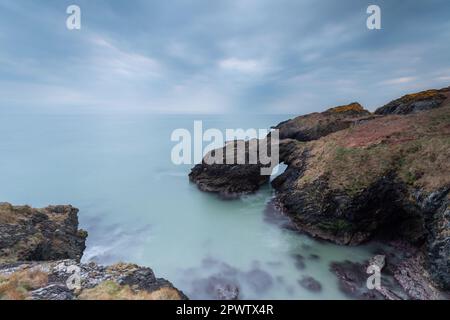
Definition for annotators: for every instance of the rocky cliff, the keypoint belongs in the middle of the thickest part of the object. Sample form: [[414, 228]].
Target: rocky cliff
[[40, 252], [353, 176]]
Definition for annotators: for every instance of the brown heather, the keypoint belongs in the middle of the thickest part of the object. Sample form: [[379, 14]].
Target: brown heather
[[416, 147]]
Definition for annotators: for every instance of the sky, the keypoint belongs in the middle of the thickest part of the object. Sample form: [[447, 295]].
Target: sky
[[218, 56]]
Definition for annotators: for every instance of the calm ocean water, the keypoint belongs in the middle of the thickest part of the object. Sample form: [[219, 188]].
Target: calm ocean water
[[139, 207]]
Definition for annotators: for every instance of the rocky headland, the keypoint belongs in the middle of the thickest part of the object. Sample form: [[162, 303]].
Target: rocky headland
[[40, 253], [354, 176]]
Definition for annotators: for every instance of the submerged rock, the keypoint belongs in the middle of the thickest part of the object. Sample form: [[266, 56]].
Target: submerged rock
[[310, 284], [352, 279], [259, 280], [404, 276], [217, 287], [299, 261]]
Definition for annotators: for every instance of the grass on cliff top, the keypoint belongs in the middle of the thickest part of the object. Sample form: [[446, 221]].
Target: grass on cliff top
[[18, 285], [415, 147], [12, 214], [354, 106], [315, 119], [424, 95], [110, 290]]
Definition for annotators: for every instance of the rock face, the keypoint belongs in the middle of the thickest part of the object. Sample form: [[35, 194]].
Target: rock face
[[316, 125], [388, 177], [51, 233], [404, 276], [52, 281], [352, 278], [40, 252], [230, 180], [353, 176], [416, 102], [233, 180]]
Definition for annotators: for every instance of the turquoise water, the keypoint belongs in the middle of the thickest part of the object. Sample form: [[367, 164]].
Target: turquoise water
[[139, 207]]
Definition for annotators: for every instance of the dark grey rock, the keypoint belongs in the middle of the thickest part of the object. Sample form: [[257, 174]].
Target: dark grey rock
[[310, 284]]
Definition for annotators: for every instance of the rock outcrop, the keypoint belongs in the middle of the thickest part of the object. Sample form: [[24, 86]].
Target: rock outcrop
[[40, 252], [403, 276], [51, 233], [70, 280], [353, 176], [316, 125], [388, 177], [236, 179], [416, 102], [231, 179]]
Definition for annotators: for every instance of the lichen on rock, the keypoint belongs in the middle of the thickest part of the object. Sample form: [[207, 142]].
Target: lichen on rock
[[416, 102]]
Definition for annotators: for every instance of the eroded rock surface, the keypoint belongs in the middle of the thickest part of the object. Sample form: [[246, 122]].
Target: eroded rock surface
[[69, 279], [237, 178], [316, 125], [234, 180], [387, 177], [40, 252], [404, 276], [28, 234], [353, 176]]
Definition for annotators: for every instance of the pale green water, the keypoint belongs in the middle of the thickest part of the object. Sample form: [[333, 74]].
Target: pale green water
[[139, 207]]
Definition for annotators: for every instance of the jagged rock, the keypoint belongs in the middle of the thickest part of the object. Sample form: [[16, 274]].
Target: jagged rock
[[352, 280], [388, 178], [40, 251], [51, 233], [416, 102], [52, 292], [230, 180], [379, 260], [233, 180], [120, 281], [353, 176]]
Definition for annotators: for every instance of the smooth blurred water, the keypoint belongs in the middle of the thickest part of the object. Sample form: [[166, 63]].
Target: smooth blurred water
[[139, 207]]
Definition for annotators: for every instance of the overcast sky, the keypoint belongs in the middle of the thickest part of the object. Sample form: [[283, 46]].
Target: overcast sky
[[218, 56]]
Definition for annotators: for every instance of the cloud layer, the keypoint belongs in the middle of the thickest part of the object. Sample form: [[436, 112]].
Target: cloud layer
[[224, 56]]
